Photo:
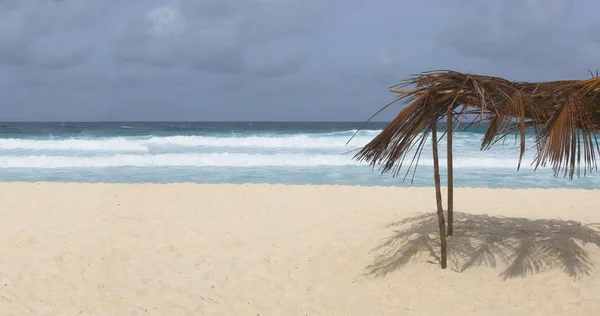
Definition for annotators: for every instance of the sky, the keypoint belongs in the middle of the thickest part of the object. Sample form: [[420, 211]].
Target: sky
[[270, 60]]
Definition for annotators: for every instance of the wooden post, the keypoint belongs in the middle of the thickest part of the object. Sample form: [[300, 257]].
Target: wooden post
[[438, 192], [450, 173]]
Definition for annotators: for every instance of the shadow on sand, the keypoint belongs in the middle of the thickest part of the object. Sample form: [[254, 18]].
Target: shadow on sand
[[520, 245]]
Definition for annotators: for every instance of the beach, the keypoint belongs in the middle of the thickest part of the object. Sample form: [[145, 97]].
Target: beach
[[258, 249]]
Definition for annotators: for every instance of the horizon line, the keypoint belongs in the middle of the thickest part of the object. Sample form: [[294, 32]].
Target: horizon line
[[186, 121]]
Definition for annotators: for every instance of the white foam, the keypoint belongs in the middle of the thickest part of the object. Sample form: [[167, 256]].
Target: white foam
[[292, 141], [218, 160], [175, 160], [137, 144], [100, 144], [477, 163], [363, 132]]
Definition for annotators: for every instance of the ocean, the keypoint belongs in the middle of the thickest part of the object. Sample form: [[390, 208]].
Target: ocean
[[285, 153]]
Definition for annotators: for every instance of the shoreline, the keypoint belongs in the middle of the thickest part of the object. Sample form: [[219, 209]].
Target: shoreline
[[432, 187]]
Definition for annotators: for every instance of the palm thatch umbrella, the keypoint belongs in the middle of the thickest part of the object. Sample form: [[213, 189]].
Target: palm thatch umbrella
[[563, 114]]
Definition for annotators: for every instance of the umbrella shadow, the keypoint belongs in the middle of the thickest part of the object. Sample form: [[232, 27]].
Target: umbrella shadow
[[521, 246]]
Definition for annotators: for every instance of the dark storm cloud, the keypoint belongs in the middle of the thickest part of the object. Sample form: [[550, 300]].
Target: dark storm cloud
[[280, 67], [533, 33], [165, 37], [270, 59], [215, 36], [49, 33]]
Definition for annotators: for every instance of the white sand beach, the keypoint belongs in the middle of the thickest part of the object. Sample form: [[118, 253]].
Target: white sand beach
[[187, 249]]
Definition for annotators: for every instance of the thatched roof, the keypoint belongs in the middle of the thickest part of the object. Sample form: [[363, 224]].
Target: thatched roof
[[564, 115]]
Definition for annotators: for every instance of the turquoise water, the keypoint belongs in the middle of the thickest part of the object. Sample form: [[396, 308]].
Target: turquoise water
[[288, 153]]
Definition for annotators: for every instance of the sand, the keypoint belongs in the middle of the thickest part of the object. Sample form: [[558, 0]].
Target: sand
[[185, 249]]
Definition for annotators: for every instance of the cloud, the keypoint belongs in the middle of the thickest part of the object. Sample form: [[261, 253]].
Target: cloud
[[61, 52], [28, 31], [14, 47], [276, 60], [165, 37], [280, 67], [387, 67], [270, 59], [538, 33], [266, 20], [215, 36]]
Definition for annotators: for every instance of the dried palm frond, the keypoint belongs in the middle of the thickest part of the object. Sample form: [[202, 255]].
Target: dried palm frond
[[570, 132], [505, 104]]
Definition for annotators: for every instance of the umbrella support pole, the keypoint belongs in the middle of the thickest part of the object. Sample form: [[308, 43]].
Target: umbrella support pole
[[438, 193], [450, 173]]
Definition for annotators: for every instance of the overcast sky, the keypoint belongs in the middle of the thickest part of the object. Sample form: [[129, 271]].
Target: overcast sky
[[270, 60]]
